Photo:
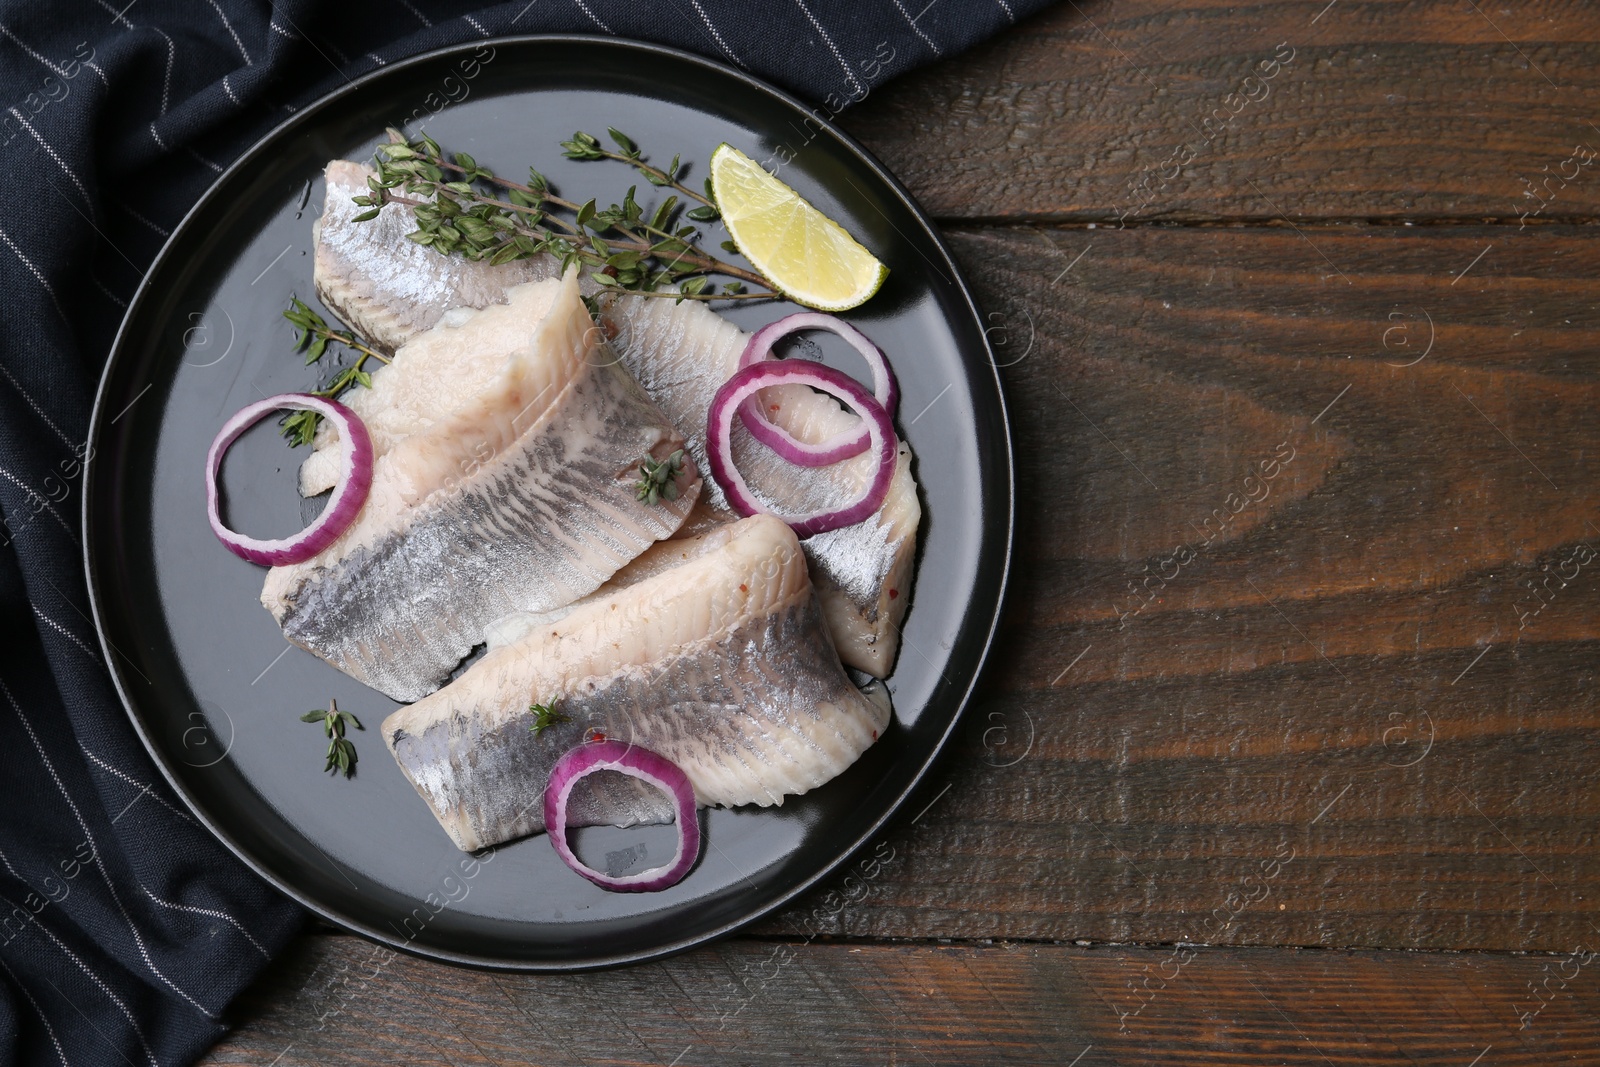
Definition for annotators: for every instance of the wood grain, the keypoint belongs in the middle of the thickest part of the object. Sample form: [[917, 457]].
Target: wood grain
[[757, 1003], [1353, 639], [1390, 110]]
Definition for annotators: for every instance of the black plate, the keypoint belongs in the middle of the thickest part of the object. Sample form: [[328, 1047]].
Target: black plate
[[216, 692]]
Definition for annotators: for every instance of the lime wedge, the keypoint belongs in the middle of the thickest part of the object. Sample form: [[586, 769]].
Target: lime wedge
[[804, 254]]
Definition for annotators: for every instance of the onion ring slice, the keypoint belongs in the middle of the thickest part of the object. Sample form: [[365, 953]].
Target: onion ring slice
[[649, 767], [841, 446], [349, 494], [745, 383]]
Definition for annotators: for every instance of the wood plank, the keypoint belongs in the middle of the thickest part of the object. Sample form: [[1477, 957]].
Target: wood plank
[[1097, 110], [1343, 672], [338, 1000]]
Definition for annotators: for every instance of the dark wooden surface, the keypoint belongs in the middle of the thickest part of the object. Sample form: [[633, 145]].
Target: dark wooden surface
[[1213, 821]]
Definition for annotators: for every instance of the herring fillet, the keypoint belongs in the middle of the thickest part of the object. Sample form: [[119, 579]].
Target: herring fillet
[[521, 499], [432, 374], [388, 288], [681, 354], [721, 664]]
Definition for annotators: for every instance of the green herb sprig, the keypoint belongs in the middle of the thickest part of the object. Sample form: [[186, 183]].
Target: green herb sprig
[[658, 478], [315, 334], [545, 716], [462, 208], [587, 146], [341, 756]]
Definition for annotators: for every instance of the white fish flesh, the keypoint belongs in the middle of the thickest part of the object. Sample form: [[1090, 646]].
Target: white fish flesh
[[432, 374], [681, 354], [722, 664], [522, 498], [385, 287]]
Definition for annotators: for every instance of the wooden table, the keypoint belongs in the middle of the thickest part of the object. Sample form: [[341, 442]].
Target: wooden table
[[1288, 754]]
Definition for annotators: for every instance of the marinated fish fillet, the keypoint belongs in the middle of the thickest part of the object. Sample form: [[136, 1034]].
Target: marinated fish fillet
[[681, 354], [522, 498], [721, 664], [388, 288], [434, 373]]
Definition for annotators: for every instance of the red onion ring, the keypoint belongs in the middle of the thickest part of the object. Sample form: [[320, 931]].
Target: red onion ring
[[355, 447], [747, 381], [841, 446], [649, 767]]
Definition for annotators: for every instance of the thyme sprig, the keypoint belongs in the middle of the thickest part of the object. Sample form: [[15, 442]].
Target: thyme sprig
[[462, 208], [315, 334], [341, 756], [587, 146], [545, 716], [658, 479]]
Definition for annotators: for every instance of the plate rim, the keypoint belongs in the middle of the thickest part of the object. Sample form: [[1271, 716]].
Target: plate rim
[[1006, 517]]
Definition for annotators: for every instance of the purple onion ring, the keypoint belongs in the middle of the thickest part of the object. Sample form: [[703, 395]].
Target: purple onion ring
[[841, 446], [649, 767], [746, 382], [355, 480]]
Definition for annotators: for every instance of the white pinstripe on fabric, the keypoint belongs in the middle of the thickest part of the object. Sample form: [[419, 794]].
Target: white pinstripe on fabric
[[913, 23], [117, 15], [1012, 15], [96, 979], [848, 73], [99, 865], [229, 90], [716, 35], [475, 24], [64, 632], [18, 482], [131, 780], [203, 160], [592, 16], [140, 218], [224, 17], [115, 299], [283, 31], [166, 82], [96, 68], [408, 6], [42, 1016], [51, 152], [51, 67], [224, 916], [37, 410], [35, 271]]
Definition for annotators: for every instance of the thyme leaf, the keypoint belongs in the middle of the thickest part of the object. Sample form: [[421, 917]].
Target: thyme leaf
[[658, 477], [545, 716], [462, 208], [341, 755]]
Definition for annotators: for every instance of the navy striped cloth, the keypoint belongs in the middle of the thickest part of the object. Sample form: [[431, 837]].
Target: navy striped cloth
[[126, 929]]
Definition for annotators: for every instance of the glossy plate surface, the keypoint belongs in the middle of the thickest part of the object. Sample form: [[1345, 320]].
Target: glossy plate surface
[[215, 690]]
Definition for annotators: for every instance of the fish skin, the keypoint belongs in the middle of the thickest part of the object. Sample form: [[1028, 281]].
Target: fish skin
[[722, 664], [433, 373], [681, 354], [388, 288], [523, 499]]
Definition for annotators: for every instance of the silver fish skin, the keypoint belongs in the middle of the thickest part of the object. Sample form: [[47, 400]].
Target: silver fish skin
[[523, 499], [681, 354], [388, 288], [722, 664]]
